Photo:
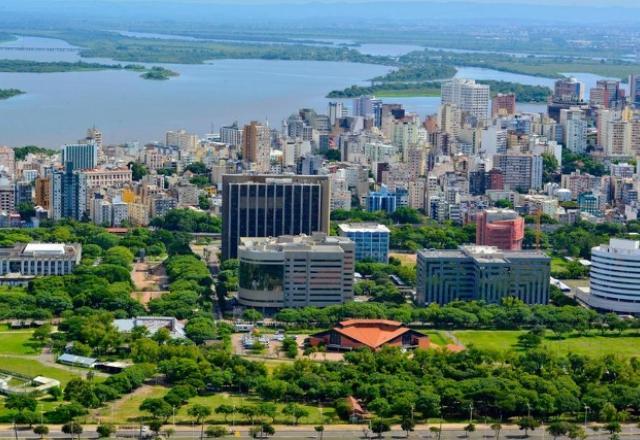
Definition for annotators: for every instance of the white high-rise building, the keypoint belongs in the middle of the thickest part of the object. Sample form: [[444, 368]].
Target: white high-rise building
[[575, 129], [614, 277], [468, 96]]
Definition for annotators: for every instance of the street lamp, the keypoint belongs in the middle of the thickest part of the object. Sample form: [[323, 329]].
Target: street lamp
[[528, 409], [586, 413], [471, 413]]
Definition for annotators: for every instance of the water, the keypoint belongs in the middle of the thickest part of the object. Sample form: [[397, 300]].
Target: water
[[59, 107]]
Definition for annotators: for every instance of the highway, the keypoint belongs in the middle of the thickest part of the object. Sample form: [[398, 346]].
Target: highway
[[332, 433]]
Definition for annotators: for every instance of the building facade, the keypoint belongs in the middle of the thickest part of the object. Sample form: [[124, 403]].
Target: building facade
[[371, 239], [614, 284], [502, 228], [271, 206], [40, 259], [80, 156], [295, 271], [482, 273]]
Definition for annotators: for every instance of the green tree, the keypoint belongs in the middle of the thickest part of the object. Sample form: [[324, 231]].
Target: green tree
[[251, 315], [226, 410], [41, 430], [295, 411], [469, 429], [216, 431], [157, 407], [262, 431], [320, 430], [527, 423], [138, 171], [558, 428], [496, 428], [380, 426], [199, 413], [105, 430], [155, 425], [72, 428], [407, 425]]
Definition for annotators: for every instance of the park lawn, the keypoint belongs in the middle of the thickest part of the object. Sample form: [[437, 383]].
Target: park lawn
[[498, 340], [33, 368], [17, 342], [594, 345], [316, 414], [126, 409], [405, 259], [437, 337], [558, 264]]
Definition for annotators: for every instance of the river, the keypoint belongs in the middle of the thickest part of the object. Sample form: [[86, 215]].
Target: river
[[59, 107]]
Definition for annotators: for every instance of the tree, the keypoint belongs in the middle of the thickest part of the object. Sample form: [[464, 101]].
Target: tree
[[407, 425], [21, 402], [251, 315], [320, 430], [26, 210], [576, 432], [168, 433], [41, 430], [469, 429], [496, 428], [527, 423], [262, 431], [200, 413], [217, 431], [296, 411], [72, 428], [557, 429], [155, 425], [380, 426], [138, 171], [158, 408], [613, 427], [105, 430], [226, 410]]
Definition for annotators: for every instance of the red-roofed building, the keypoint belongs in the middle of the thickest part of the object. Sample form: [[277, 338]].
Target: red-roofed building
[[371, 333]]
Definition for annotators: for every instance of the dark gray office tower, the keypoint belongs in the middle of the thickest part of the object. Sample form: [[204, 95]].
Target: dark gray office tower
[[482, 273], [271, 206]]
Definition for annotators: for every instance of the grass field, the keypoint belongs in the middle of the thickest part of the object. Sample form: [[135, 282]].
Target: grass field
[[17, 342], [592, 345], [437, 337], [32, 368], [126, 409]]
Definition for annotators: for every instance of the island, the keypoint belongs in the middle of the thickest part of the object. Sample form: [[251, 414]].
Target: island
[[10, 93], [158, 73]]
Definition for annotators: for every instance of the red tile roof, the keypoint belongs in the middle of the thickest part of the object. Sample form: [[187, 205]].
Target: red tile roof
[[371, 332]]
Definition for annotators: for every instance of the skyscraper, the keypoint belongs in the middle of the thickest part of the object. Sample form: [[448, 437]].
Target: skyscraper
[[80, 156], [256, 146], [503, 105], [467, 96], [68, 194], [271, 206], [634, 90]]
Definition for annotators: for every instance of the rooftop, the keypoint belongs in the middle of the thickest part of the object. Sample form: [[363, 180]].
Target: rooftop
[[44, 249], [363, 227], [371, 332]]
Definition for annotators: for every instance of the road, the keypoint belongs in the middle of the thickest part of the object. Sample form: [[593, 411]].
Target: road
[[451, 432]]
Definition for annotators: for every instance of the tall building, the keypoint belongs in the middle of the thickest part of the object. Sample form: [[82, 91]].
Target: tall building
[[336, 111], [94, 135], [7, 195], [614, 284], [522, 172], [467, 96], [503, 105], [382, 200], [231, 135], [482, 273], [364, 106], [271, 206], [43, 192], [607, 94], [68, 194], [181, 140], [371, 239], [502, 228], [295, 271], [568, 90], [256, 146], [7, 161], [80, 156], [575, 126], [634, 90]]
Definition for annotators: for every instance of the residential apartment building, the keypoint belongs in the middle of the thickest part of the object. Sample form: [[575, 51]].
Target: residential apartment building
[[502, 228], [467, 96]]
